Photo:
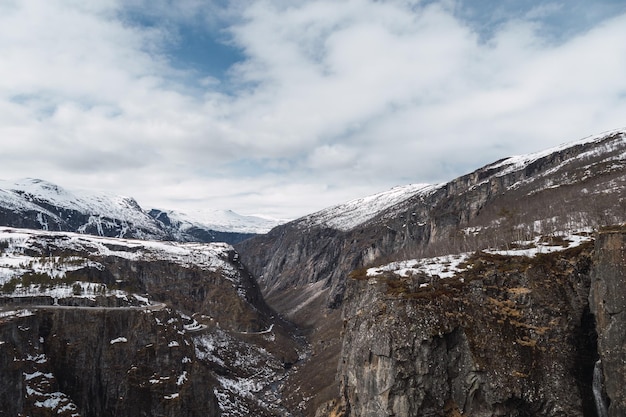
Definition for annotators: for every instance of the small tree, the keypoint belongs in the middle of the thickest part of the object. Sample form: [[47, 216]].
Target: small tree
[[77, 289]]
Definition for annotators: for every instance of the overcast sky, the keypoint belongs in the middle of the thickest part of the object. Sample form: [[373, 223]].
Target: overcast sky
[[284, 107]]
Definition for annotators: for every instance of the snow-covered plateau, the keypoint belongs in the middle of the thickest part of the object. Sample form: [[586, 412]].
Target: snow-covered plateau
[[29, 252]]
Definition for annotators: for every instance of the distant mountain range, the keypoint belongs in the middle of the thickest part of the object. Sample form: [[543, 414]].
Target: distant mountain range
[[38, 204]]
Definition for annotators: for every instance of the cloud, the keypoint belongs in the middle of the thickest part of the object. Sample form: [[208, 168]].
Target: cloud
[[329, 100]]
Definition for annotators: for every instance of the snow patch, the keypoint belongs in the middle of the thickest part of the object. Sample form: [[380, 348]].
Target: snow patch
[[349, 215]]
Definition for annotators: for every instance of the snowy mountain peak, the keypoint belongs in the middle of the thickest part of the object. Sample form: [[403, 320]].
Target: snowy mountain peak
[[612, 138], [38, 204], [349, 215], [218, 220]]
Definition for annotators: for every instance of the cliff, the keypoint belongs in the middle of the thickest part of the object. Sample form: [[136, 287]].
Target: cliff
[[96, 326], [608, 303], [579, 185], [101, 362], [508, 335], [302, 267]]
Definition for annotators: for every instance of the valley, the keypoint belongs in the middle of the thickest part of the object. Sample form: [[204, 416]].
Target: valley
[[497, 293]]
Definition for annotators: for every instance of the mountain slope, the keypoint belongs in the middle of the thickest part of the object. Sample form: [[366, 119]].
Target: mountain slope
[[37, 204], [576, 185], [132, 327], [212, 226], [303, 266]]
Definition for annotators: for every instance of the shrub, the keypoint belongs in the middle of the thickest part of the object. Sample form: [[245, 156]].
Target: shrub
[[77, 289]]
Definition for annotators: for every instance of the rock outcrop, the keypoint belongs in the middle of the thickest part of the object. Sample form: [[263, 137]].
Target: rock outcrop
[[608, 304], [101, 362], [509, 336], [302, 267]]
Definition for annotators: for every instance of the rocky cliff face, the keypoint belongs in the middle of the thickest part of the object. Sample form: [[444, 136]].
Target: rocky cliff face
[[608, 303], [302, 267], [142, 328], [581, 184], [101, 362], [508, 336]]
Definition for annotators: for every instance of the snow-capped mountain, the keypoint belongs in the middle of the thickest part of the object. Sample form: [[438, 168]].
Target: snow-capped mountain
[[37, 204], [216, 220], [574, 186], [417, 240], [349, 215], [605, 147]]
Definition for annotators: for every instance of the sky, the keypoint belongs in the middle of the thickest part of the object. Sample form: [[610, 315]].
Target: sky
[[285, 107]]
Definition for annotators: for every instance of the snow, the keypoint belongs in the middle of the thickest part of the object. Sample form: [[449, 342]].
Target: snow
[[449, 266], [37, 374], [222, 221], [114, 211], [349, 215], [14, 263], [38, 385], [536, 246], [182, 379], [254, 373], [441, 266], [118, 340], [23, 194], [515, 163]]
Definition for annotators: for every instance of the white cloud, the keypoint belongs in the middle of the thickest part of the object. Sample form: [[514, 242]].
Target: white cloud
[[339, 98]]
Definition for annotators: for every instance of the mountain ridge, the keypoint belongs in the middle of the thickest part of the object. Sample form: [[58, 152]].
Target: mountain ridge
[[304, 268], [39, 204], [474, 297]]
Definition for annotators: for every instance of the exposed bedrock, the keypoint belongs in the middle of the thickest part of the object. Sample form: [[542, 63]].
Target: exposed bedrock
[[101, 362], [608, 303], [514, 337]]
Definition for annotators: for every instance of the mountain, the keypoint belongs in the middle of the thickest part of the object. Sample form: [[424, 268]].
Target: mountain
[[108, 326], [499, 293], [303, 267], [212, 225], [576, 185], [38, 204]]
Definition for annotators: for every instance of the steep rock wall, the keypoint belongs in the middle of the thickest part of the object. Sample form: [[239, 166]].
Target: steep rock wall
[[507, 338], [101, 362], [608, 303], [581, 180]]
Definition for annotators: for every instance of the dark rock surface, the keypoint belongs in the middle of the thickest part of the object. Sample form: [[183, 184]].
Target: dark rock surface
[[582, 184], [208, 345], [505, 338], [101, 362], [608, 304], [302, 267]]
